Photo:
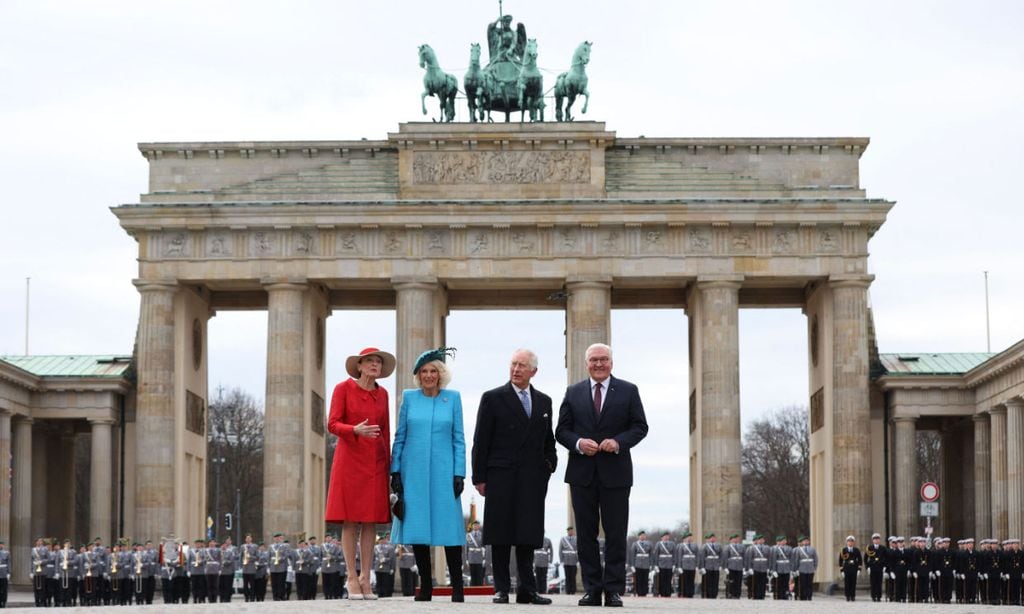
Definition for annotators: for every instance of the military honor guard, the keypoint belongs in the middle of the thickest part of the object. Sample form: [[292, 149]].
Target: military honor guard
[[262, 574], [733, 555], [280, 554], [304, 567], [67, 575], [756, 563], [330, 554], [639, 561], [920, 570], [212, 554], [542, 558], [665, 562], [407, 569], [197, 571], [228, 565], [569, 559], [804, 564], [249, 557], [850, 562], [899, 569], [967, 572], [384, 563], [709, 564], [1014, 568], [475, 554], [874, 558], [780, 565]]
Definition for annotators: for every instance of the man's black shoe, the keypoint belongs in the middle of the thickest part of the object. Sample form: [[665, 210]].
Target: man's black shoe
[[591, 599], [533, 598], [500, 597], [612, 600]]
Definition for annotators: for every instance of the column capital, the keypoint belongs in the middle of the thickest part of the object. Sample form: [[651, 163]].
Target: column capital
[[297, 284], [102, 421], [155, 285], [910, 419], [422, 282], [23, 420], [853, 280], [981, 417], [1015, 403], [720, 281], [998, 410]]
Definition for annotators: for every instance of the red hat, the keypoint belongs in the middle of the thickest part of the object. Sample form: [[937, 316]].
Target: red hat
[[352, 362]]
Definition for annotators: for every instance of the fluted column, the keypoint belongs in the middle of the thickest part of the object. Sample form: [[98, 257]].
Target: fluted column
[[283, 424], [1015, 466], [416, 319], [100, 482], [154, 411], [588, 321], [905, 474], [982, 476], [851, 409], [21, 501], [1000, 524], [5, 470], [721, 483]]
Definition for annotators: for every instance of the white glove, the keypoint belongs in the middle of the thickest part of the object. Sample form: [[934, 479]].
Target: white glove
[[892, 576], [931, 575], [913, 574], [415, 569], [1006, 576], [775, 574], [632, 569], [677, 569], [703, 571], [747, 572]]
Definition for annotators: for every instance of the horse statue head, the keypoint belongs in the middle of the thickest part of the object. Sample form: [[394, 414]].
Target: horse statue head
[[427, 56], [581, 57], [474, 54], [530, 54]]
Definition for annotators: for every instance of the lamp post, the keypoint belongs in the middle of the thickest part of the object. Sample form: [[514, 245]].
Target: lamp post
[[217, 462]]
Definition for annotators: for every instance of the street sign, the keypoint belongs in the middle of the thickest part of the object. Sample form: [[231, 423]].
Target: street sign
[[929, 509], [929, 492]]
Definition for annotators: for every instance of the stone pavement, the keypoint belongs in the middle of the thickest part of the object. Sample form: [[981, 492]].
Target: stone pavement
[[562, 603]]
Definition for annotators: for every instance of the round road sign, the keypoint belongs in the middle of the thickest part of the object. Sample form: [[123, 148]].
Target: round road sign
[[929, 492]]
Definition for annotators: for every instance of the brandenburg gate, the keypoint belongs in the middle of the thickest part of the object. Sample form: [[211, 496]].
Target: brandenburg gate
[[437, 217]]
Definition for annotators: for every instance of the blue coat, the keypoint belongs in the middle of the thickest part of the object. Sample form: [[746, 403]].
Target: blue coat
[[429, 451]]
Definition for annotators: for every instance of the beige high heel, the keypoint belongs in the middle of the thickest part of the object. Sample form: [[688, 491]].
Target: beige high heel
[[355, 592], [368, 593]]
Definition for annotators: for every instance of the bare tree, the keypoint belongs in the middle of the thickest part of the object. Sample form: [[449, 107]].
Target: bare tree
[[929, 456], [776, 473], [235, 435]]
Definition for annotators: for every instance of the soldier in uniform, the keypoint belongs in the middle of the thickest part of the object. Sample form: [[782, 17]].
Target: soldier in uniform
[[102, 559], [780, 565], [5, 573], [899, 567], [665, 559], [384, 563], [303, 568], [709, 563], [944, 566], [250, 556], [197, 571], [542, 558], [66, 569], [850, 562], [804, 563], [921, 570], [685, 563], [638, 560], [734, 567], [1015, 569], [38, 558], [755, 564], [137, 573], [874, 562], [181, 580], [152, 571], [228, 565], [279, 553], [213, 562], [407, 569], [569, 559], [119, 577], [261, 573], [475, 553]]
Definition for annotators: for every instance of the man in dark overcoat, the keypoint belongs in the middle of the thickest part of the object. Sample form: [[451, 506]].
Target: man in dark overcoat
[[601, 419], [513, 459]]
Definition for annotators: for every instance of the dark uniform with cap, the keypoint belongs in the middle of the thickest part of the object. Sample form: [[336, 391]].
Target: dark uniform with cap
[[899, 567], [875, 555], [5, 573], [709, 562], [850, 562], [733, 554]]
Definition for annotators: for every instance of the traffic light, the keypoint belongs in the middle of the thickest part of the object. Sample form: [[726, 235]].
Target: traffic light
[[227, 521]]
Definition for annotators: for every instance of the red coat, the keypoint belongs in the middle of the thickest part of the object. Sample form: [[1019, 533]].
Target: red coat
[[359, 475]]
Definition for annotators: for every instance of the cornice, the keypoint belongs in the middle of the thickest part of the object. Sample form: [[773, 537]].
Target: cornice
[[1010, 358]]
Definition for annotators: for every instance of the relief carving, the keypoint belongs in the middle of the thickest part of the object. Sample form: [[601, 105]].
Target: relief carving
[[264, 243], [392, 242], [828, 241], [218, 245], [652, 239], [436, 242], [176, 244], [304, 242], [480, 243], [501, 167], [317, 416], [195, 413], [742, 241], [522, 242], [700, 240], [567, 240], [785, 242], [611, 241], [347, 242]]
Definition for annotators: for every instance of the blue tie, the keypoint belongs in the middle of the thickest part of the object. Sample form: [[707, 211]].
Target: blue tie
[[524, 396]]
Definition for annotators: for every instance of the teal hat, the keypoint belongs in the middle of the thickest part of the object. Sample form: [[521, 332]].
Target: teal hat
[[709, 535], [780, 538], [432, 355], [734, 536], [686, 534]]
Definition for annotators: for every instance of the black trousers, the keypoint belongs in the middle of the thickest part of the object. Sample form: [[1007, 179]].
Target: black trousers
[[247, 581], [899, 587], [709, 584], [570, 579], [686, 584], [259, 587], [597, 505], [476, 574], [527, 575], [850, 585], [875, 580], [643, 581], [277, 579], [805, 586], [409, 581], [199, 588], [541, 574], [760, 579], [212, 584], [385, 583]]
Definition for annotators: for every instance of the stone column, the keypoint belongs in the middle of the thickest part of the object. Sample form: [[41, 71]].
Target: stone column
[[100, 483], [851, 409], [283, 424], [155, 424], [21, 502], [5, 470], [588, 320], [721, 486], [1015, 466], [1000, 524], [982, 476], [952, 469], [415, 305], [904, 473]]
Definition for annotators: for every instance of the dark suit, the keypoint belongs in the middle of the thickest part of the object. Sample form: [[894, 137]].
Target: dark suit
[[600, 484], [514, 456]]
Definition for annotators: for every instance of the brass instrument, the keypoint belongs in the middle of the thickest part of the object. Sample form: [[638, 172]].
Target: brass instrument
[[39, 565], [302, 558], [138, 571], [245, 555], [199, 557], [113, 562], [64, 567], [277, 557]]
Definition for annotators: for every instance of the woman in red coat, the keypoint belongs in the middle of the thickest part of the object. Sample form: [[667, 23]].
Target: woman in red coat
[[358, 494]]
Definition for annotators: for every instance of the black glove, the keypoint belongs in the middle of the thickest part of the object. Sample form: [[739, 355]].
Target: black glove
[[459, 485], [396, 483]]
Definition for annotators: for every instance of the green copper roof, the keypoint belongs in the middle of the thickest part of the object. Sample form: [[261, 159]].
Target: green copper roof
[[945, 363], [71, 366]]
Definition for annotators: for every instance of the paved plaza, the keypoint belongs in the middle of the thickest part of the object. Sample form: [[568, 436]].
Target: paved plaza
[[561, 603]]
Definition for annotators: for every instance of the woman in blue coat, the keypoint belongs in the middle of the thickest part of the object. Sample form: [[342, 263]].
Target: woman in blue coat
[[428, 464]]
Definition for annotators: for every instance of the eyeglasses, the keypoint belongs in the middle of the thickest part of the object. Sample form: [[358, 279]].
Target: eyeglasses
[[599, 360]]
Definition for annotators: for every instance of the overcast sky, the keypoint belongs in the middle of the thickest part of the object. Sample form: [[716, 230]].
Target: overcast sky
[[937, 86]]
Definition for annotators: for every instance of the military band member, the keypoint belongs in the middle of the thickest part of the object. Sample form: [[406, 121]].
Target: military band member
[[228, 564], [262, 573], [120, 579], [569, 559], [303, 568], [638, 560], [67, 575], [37, 565], [756, 563], [137, 573], [384, 564], [5, 573], [197, 571], [781, 566], [474, 553], [280, 553], [407, 569], [250, 556], [709, 563], [341, 590], [734, 567], [329, 554], [212, 556], [542, 558]]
